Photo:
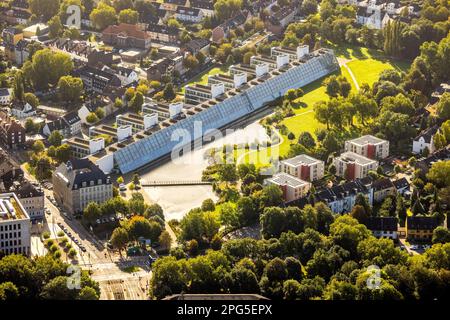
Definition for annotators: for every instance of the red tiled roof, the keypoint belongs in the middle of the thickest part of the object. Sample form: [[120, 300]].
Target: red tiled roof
[[130, 30]]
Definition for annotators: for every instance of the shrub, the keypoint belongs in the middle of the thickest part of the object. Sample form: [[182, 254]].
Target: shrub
[[60, 233], [57, 254], [46, 235], [53, 248], [72, 253]]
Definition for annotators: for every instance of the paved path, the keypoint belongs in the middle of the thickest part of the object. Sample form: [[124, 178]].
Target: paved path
[[343, 63]]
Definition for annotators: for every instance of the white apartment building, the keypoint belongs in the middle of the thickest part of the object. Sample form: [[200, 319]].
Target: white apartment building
[[198, 93], [293, 188], [303, 167], [368, 146], [351, 166], [15, 226]]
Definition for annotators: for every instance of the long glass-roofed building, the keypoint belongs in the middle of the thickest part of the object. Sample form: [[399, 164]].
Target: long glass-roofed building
[[220, 112]]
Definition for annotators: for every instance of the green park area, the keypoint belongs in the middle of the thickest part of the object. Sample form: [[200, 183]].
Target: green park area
[[365, 64]]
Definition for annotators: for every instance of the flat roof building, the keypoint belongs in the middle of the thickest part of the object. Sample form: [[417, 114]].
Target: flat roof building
[[303, 167], [293, 188], [351, 166], [15, 226], [221, 111], [368, 146]]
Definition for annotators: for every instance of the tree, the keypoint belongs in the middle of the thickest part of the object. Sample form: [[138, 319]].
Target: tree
[[243, 281], [44, 8], [46, 68], [92, 118], [305, 138], [137, 101], [38, 146], [439, 173], [340, 290], [103, 16], [55, 27], [165, 240], [70, 88], [8, 291], [443, 107], [119, 238], [191, 62], [441, 235], [57, 289], [365, 107], [55, 138], [31, 99], [18, 86], [208, 205], [128, 16], [100, 113], [63, 153], [88, 293], [92, 212], [141, 227], [347, 233], [43, 168], [309, 7], [169, 92], [246, 211], [229, 216]]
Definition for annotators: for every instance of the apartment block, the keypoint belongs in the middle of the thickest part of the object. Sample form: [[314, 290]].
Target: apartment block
[[303, 167], [15, 226], [294, 54], [368, 146], [136, 121], [351, 166], [293, 188], [78, 182], [197, 93], [81, 148]]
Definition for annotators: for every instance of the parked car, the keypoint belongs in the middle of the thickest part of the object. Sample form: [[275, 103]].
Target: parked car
[[122, 187]]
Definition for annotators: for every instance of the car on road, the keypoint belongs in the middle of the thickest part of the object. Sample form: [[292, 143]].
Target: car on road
[[122, 187]]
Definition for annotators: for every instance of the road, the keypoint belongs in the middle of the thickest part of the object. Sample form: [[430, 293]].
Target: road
[[108, 268]]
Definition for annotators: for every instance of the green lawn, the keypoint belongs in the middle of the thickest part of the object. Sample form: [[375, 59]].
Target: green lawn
[[366, 65]]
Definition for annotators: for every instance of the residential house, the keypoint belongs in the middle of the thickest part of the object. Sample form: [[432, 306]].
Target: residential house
[[342, 198], [68, 125], [278, 21], [383, 227], [420, 228], [31, 197], [292, 187], [383, 188], [197, 45], [126, 35], [10, 171], [206, 6], [163, 33], [425, 164], [351, 166], [12, 133], [401, 186], [425, 140], [21, 52], [22, 110], [16, 16], [190, 15], [11, 36], [368, 146], [303, 167], [80, 182], [223, 30], [97, 80], [5, 96]]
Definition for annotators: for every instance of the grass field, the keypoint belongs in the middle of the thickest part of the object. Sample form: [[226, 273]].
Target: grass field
[[365, 64]]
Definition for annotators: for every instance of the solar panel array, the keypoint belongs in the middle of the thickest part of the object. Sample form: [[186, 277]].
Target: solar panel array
[[162, 142]]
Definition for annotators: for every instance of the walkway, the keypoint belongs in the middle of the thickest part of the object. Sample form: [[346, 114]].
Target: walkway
[[343, 62], [174, 183]]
